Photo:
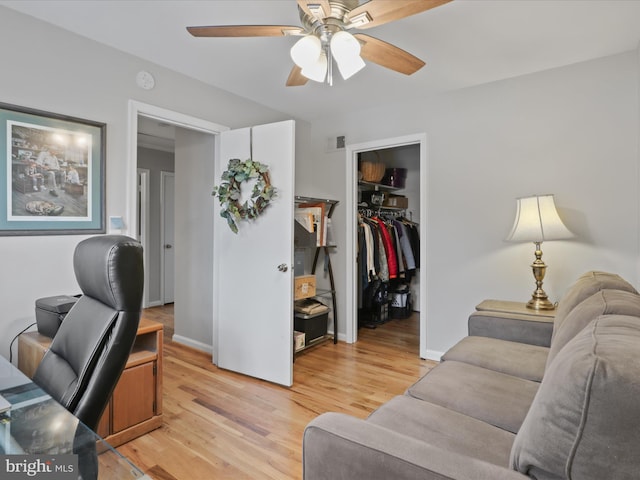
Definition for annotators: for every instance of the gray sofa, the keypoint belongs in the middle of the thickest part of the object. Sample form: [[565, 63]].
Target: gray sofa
[[516, 399]]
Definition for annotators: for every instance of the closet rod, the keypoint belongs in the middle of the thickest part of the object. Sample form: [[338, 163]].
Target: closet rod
[[299, 198], [381, 212]]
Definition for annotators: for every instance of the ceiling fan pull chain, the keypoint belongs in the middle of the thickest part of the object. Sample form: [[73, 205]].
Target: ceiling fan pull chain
[[329, 65]]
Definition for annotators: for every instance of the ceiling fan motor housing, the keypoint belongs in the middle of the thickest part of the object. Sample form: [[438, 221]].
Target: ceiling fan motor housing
[[334, 20]]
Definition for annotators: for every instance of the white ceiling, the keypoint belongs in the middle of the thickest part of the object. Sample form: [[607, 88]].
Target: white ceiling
[[465, 43]]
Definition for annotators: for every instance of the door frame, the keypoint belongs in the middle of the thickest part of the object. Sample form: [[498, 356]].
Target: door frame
[[142, 224], [163, 176], [351, 176]]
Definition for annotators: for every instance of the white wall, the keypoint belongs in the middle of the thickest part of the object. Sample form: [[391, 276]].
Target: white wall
[[571, 131], [47, 68], [193, 311]]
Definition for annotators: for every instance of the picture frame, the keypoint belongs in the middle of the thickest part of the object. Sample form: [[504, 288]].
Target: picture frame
[[52, 173]]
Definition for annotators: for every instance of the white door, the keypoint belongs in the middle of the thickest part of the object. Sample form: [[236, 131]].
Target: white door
[[253, 277], [168, 228]]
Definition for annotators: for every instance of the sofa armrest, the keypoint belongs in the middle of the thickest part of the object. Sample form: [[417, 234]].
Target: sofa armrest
[[338, 446], [512, 327]]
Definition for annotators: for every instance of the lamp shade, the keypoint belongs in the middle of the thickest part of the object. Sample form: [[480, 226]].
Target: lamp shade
[[537, 220]]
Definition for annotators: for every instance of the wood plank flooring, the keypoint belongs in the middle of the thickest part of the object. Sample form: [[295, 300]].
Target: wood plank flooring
[[219, 424]]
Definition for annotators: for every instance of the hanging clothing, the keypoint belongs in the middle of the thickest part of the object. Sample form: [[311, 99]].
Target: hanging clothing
[[405, 244], [389, 248], [414, 239]]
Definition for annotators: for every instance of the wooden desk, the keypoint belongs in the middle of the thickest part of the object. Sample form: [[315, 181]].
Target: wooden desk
[[135, 407]]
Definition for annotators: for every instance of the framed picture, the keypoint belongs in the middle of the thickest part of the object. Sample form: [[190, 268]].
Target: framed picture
[[52, 173]]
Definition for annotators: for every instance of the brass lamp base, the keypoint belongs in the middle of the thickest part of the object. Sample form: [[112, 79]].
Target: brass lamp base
[[540, 304], [539, 299]]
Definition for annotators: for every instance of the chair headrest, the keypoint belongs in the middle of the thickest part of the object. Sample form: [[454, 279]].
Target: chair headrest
[[110, 269]]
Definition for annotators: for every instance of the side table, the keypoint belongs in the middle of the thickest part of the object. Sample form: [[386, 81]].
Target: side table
[[520, 308]]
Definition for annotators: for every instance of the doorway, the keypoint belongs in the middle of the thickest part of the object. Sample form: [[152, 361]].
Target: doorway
[[188, 331], [353, 154], [156, 157]]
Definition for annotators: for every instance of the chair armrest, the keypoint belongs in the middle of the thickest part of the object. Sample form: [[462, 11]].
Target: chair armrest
[[338, 446], [513, 327]]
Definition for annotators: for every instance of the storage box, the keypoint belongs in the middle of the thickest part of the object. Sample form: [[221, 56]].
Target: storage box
[[304, 286], [396, 201], [395, 177], [401, 305], [50, 311], [298, 341], [313, 326], [373, 198]]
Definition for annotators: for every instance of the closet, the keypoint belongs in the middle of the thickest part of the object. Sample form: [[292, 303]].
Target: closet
[[388, 235]]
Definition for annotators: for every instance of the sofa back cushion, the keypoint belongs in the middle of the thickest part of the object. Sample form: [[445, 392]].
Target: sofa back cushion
[[585, 419], [604, 302], [586, 285]]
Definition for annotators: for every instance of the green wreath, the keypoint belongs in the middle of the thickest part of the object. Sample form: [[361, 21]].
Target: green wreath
[[228, 192]]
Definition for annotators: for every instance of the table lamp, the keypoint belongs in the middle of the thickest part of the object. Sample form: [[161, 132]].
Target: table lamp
[[536, 221]]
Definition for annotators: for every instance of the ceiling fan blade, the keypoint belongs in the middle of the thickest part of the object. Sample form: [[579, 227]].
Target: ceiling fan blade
[[244, 31], [319, 9], [387, 55], [383, 11], [296, 79]]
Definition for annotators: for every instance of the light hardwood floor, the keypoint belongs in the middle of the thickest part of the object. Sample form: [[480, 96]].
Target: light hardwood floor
[[219, 424]]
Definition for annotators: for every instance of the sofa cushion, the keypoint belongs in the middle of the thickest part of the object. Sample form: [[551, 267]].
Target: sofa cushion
[[585, 420], [493, 397], [449, 430], [604, 302], [586, 285], [513, 358]]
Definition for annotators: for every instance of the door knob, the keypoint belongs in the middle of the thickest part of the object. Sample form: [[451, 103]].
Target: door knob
[[168, 246], [283, 267]]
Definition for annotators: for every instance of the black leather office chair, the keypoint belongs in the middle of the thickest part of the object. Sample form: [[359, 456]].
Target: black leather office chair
[[89, 352]]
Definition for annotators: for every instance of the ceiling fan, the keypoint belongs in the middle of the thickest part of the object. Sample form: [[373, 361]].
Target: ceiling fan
[[326, 37]]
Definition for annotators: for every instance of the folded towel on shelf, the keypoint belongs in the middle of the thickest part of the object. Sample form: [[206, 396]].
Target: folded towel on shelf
[[310, 306]]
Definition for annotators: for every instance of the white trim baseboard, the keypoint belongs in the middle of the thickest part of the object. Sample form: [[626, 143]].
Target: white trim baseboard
[[433, 355], [189, 342]]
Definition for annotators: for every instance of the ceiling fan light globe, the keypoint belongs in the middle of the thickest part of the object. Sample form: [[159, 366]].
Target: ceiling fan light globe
[[344, 46], [345, 49], [318, 71], [348, 68], [306, 51]]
